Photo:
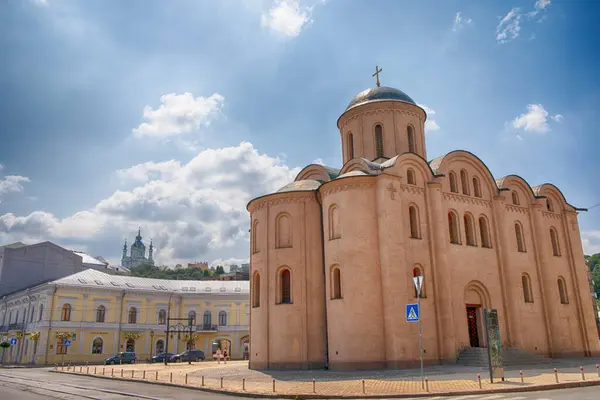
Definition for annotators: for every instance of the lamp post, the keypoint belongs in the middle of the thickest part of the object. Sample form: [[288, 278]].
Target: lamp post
[[151, 343]]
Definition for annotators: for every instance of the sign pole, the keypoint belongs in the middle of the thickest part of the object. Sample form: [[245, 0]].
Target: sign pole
[[420, 331]]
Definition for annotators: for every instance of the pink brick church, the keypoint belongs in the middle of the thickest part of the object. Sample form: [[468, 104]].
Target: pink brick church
[[333, 254]]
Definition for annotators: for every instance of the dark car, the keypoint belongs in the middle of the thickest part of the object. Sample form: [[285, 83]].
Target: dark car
[[160, 357], [188, 355], [124, 357]]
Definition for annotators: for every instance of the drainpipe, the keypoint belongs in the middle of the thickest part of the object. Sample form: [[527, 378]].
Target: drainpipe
[[120, 321], [51, 308], [324, 280]]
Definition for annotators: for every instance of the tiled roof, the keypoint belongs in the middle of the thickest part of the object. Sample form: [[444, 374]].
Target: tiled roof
[[93, 278]]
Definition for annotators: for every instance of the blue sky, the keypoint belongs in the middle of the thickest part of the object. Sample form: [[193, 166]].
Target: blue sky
[[172, 115]]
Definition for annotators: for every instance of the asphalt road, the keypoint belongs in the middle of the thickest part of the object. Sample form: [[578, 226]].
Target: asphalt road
[[39, 384]]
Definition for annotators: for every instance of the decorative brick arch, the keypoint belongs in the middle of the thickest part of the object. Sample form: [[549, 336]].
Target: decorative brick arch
[[477, 294]]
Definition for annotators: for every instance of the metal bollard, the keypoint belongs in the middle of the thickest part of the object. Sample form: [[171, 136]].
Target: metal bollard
[[314, 388], [132, 371], [171, 377], [87, 370], [94, 370], [80, 369], [363, 385], [479, 380], [273, 385], [202, 380], [144, 375], [521, 373], [121, 372], [556, 374], [244, 384], [221, 382], [112, 372], [102, 371], [186, 379], [582, 374], [427, 384], [156, 378], [598, 370]]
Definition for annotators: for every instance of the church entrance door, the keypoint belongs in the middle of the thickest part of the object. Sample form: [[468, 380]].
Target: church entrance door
[[473, 326]]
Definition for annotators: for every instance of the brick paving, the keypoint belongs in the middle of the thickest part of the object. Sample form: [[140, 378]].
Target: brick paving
[[236, 377]]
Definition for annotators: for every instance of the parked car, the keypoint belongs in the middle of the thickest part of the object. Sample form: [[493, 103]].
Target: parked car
[[160, 357], [188, 355], [124, 357]]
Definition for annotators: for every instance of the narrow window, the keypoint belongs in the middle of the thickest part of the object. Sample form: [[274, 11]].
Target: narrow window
[[100, 314], [550, 205], [162, 317], [41, 312], [255, 237], [410, 134], [527, 294], [515, 198], [65, 314], [484, 233], [379, 140], [283, 231], [222, 318], [334, 222], [555, 244], [464, 180], [132, 315], [286, 286], [410, 177], [97, 346], [350, 146], [469, 230], [453, 187], [476, 187], [32, 314], [417, 272], [414, 222], [453, 228], [519, 236], [207, 320], [336, 279], [192, 317], [256, 290], [60, 346], [562, 291]]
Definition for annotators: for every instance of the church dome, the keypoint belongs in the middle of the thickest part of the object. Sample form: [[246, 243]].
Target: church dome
[[381, 93]]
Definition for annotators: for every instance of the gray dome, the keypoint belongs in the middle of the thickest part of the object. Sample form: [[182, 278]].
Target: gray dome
[[300, 186], [380, 94]]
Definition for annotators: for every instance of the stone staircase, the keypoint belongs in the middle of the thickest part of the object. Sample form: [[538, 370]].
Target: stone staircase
[[478, 357]]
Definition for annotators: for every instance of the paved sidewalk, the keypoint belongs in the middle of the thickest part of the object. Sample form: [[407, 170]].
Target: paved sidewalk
[[235, 377]]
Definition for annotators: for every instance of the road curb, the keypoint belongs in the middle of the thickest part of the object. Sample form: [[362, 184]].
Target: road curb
[[532, 388]]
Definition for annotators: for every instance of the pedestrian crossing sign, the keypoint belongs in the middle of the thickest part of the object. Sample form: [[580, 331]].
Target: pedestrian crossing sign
[[412, 313]]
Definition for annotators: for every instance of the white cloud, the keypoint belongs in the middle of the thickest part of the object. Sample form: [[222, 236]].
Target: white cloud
[[12, 184], [460, 21], [287, 17], [557, 117], [179, 113], [1, 167], [40, 2], [591, 242], [534, 120], [542, 4], [318, 161], [430, 124], [519, 137], [509, 27], [191, 211]]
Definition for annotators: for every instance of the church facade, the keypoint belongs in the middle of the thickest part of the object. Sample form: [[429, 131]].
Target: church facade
[[334, 253], [137, 253]]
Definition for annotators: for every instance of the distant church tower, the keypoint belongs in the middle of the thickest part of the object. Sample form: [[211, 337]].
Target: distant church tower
[[137, 253]]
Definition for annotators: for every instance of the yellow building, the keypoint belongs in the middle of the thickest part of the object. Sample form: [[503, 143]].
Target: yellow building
[[103, 314]]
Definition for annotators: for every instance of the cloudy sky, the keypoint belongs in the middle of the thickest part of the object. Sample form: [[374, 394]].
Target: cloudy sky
[[172, 115]]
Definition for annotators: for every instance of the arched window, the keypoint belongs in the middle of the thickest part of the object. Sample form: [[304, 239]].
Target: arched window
[[130, 345], [192, 316], [336, 283], [464, 181], [255, 237], [132, 315], [410, 177], [469, 230], [256, 290], [476, 187], [413, 217], [41, 312], [453, 187], [484, 233], [222, 318], [453, 228], [334, 222], [100, 313], [207, 319], [379, 140], [549, 205], [515, 198], [555, 243], [410, 135], [418, 272], [162, 317], [562, 290], [65, 314], [350, 146], [97, 346], [527, 293], [283, 231], [520, 238], [285, 278]]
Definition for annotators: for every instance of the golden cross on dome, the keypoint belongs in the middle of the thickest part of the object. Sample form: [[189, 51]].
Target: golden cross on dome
[[377, 71]]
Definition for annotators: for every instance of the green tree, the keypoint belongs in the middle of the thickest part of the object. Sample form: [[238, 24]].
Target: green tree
[[219, 270]]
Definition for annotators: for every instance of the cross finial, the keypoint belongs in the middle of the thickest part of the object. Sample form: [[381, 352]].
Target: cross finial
[[376, 74]]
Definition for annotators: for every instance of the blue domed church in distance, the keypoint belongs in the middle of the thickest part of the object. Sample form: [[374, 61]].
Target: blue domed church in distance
[[137, 253]]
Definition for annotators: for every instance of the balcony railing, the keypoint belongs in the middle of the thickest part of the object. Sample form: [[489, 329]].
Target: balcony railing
[[17, 326], [206, 328]]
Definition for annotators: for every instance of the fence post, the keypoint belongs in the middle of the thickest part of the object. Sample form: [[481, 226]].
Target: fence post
[[582, 374], [314, 386], [556, 374], [363, 386], [521, 373], [479, 380]]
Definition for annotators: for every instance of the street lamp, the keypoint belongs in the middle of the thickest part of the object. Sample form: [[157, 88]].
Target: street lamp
[[151, 343]]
